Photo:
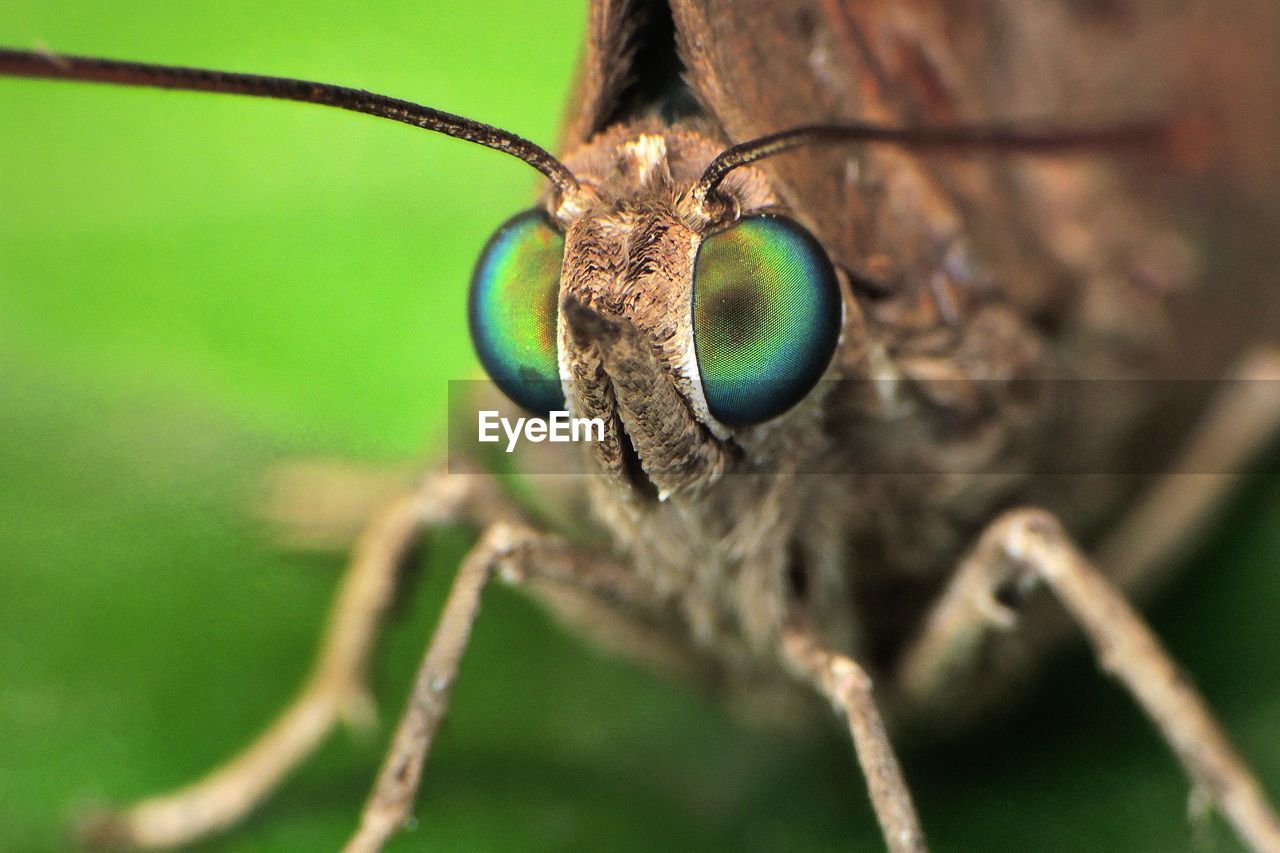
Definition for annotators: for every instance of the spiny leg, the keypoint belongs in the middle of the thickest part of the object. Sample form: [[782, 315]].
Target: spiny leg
[[941, 665], [1026, 548], [520, 555], [848, 687], [334, 691], [1242, 423]]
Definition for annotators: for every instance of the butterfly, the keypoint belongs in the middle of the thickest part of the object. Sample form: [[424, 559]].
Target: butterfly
[[945, 267]]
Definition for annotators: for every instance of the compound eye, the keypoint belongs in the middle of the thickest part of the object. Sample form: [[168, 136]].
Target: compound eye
[[512, 310], [766, 318]]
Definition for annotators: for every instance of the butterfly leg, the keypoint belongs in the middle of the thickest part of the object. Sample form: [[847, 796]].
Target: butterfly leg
[[515, 554], [335, 690], [1026, 549], [842, 681], [321, 504], [954, 657], [1244, 421]]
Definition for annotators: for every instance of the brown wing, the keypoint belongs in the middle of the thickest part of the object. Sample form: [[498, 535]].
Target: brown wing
[[603, 68], [993, 266]]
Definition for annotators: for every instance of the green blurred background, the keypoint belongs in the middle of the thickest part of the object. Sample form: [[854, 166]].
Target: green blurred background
[[193, 286]]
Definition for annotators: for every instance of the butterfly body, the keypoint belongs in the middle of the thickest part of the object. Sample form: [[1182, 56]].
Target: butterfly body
[[936, 404]]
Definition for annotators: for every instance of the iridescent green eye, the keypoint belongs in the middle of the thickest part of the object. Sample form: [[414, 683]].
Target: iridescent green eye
[[766, 317], [512, 310]]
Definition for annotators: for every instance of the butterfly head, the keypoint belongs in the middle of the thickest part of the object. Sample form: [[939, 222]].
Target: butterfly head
[[687, 328]]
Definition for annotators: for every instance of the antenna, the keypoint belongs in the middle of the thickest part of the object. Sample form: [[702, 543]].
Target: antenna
[[23, 63]]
